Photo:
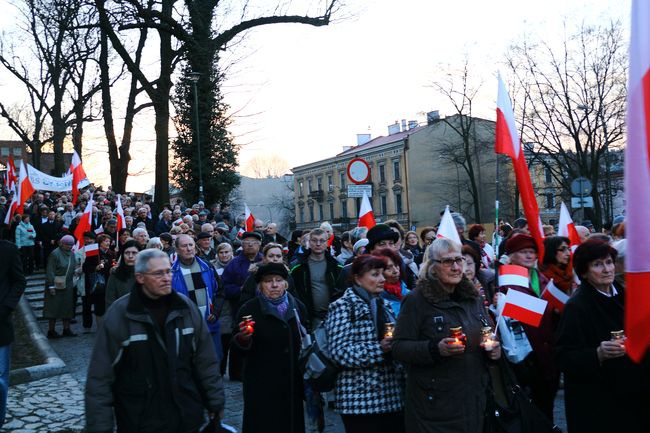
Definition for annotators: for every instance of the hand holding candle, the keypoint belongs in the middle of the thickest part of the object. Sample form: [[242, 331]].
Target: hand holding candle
[[246, 326]]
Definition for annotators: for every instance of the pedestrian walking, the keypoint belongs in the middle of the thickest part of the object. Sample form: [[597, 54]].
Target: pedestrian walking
[[59, 297]]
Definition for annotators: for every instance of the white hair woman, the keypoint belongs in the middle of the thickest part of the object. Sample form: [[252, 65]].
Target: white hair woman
[[438, 337]]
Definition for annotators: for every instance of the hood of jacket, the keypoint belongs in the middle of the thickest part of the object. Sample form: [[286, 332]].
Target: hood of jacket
[[433, 292]]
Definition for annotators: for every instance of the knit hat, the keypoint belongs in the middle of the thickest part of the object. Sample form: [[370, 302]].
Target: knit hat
[[520, 242], [359, 244], [67, 240], [221, 226], [380, 232], [271, 269]]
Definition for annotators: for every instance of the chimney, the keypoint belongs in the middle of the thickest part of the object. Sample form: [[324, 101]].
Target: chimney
[[393, 129], [346, 148], [363, 139], [413, 124], [433, 116], [403, 125]]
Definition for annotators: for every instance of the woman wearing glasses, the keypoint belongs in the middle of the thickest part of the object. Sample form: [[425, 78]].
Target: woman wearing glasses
[[447, 376], [557, 255]]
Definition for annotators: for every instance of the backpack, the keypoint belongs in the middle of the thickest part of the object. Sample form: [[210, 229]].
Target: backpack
[[315, 362]]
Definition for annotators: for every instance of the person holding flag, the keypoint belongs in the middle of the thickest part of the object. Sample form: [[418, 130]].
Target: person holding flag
[[605, 391]]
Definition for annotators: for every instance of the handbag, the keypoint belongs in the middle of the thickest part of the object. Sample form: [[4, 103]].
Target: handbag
[[59, 282], [509, 409]]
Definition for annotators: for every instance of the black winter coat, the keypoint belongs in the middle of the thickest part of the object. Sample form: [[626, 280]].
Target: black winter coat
[[273, 385], [608, 397], [12, 286], [443, 394]]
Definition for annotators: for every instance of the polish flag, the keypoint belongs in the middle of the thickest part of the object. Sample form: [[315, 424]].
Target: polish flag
[[513, 275], [447, 228], [556, 297], [250, 219], [85, 225], [25, 187], [508, 143], [366, 215], [10, 176], [78, 174], [567, 228], [121, 221], [91, 250], [637, 193], [11, 210], [525, 308]]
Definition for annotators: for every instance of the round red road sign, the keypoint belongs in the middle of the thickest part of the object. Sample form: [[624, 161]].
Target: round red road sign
[[358, 171]]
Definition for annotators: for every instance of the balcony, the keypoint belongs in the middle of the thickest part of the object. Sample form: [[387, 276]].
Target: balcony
[[317, 195]]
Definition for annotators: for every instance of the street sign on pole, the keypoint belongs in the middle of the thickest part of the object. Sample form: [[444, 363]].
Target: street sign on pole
[[581, 187], [357, 190], [358, 171], [582, 202]]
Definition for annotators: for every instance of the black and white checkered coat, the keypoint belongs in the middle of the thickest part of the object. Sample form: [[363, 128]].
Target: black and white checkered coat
[[369, 382]]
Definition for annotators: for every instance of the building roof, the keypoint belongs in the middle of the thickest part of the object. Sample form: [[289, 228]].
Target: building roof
[[380, 141]]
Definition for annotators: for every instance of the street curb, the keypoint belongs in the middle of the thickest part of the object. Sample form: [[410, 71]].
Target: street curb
[[53, 365]]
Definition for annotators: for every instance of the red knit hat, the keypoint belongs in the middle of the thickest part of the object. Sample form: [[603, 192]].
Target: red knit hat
[[519, 242]]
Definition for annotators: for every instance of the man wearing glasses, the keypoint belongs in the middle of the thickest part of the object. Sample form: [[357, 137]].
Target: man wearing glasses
[[233, 279], [152, 359]]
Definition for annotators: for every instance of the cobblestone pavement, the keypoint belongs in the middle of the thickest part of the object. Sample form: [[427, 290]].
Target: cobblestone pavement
[[56, 404]]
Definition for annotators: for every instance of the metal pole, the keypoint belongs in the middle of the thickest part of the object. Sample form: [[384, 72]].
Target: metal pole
[[582, 199], [497, 238], [198, 139]]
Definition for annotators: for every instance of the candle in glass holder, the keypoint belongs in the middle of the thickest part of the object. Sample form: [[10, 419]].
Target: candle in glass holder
[[389, 329], [457, 334], [248, 320], [618, 336], [487, 338]]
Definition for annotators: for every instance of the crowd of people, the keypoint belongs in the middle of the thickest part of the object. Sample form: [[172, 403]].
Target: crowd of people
[[182, 297]]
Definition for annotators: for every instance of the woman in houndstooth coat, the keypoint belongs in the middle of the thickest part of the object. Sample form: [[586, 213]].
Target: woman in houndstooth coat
[[369, 388]]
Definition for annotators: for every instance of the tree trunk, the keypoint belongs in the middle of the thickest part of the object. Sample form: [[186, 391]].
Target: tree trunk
[[36, 154], [58, 137], [161, 194]]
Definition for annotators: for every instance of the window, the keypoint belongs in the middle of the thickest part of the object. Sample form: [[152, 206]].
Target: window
[[18, 151], [384, 206], [342, 179], [320, 183], [396, 174], [548, 175], [302, 214], [309, 186], [331, 210], [382, 173], [398, 202], [311, 213], [550, 200], [330, 184], [344, 208], [300, 186], [4, 151], [321, 217]]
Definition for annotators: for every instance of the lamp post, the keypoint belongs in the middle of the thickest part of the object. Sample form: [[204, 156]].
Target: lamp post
[[194, 78]]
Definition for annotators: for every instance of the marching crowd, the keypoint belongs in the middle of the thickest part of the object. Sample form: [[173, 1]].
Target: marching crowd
[[184, 296]]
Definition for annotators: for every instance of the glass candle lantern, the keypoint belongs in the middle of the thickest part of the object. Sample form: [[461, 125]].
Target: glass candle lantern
[[457, 334], [618, 336], [248, 320], [389, 329], [488, 339]]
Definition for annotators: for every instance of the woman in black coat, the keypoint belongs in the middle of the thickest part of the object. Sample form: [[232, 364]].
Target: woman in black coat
[[270, 343], [604, 390]]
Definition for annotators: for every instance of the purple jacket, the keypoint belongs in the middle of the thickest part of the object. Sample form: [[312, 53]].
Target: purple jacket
[[235, 274]]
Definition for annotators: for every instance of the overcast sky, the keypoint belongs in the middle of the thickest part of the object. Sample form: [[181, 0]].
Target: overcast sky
[[303, 92]]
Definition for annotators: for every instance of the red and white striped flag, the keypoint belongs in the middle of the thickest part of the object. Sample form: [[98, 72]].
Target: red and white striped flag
[[556, 297], [250, 219], [513, 275], [637, 191], [85, 224], [447, 227], [91, 250], [10, 175], [25, 187], [508, 143], [121, 221], [78, 174], [11, 210], [366, 215], [567, 228], [525, 308]]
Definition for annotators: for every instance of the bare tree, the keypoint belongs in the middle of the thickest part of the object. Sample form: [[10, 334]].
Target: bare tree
[[572, 101], [267, 166]]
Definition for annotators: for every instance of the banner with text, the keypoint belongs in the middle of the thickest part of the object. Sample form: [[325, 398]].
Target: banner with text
[[45, 182]]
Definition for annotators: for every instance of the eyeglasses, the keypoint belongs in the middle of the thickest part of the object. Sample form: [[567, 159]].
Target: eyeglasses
[[317, 241], [250, 243], [159, 274], [448, 263]]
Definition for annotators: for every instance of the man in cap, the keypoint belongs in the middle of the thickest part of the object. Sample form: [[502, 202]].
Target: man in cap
[[153, 367], [204, 250]]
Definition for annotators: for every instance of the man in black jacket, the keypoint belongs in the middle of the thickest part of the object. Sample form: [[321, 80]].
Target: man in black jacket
[[12, 285], [154, 367]]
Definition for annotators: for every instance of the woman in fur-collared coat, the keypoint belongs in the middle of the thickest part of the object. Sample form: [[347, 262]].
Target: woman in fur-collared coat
[[447, 382]]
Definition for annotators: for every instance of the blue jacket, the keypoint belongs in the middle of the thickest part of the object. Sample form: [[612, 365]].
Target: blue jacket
[[235, 274], [25, 235], [209, 277], [392, 299]]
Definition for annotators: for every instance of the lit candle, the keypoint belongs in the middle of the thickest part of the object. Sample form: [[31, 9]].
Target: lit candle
[[457, 334], [248, 320], [487, 338], [389, 329], [618, 336]]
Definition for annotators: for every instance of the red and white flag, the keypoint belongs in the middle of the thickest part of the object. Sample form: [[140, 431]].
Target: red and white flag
[[78, 174], [508, 143], [567, 228], [91, 250], [637, 192], [250, 219], [556, 297], [366, 215], [525, 308], [121, 221], [25, 187], [513, 275], [85, 225], [447, 228], [10, 176]]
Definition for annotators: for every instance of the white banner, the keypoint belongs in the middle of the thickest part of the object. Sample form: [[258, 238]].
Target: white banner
[[45, 182]]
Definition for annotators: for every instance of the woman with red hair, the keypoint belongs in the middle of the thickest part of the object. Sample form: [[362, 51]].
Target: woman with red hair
[[394, 287], [477, 234]]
